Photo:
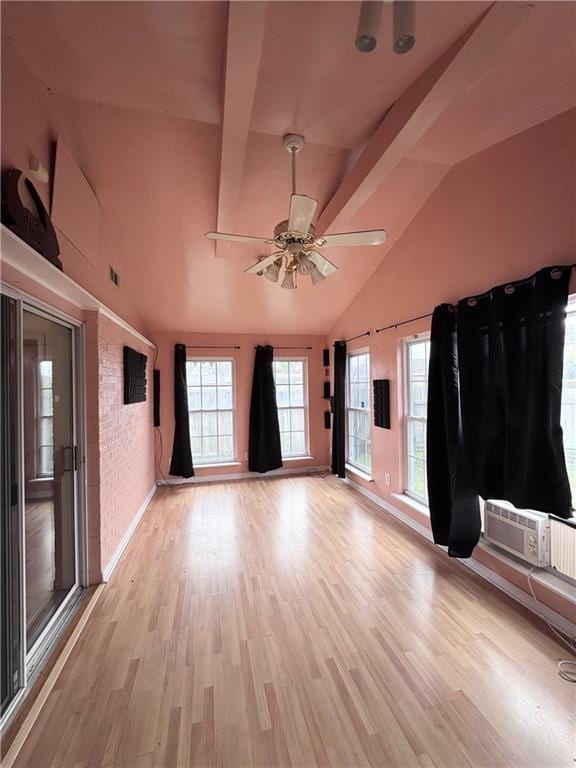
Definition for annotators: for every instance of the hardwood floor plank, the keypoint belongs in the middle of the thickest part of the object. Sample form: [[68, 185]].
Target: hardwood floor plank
[[290, 622]]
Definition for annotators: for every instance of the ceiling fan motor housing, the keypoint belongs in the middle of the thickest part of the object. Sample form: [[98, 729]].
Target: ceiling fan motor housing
[[293, 142]]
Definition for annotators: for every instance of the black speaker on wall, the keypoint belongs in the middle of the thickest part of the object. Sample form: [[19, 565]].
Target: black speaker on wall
[[326, 395], [134, 376], [325, 358], [327, 419], [156, 394], [382, 403]]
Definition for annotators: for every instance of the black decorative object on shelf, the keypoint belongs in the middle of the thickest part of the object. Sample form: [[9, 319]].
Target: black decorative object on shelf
[[156, 395], [134, 376], [36, 230], [326, 394], [326, 357], [382, 403], [327, 419]]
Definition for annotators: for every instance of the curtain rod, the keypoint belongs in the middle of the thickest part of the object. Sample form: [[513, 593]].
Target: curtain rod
[[360, 335], [486, 294], [287, 347], [197, 346], [404, 322]]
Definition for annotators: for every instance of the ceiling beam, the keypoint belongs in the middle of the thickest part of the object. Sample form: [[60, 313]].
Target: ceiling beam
[[414, 113], [246, 23]]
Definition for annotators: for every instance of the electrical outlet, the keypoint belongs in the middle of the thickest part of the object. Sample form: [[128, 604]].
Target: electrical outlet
[[387, 479]]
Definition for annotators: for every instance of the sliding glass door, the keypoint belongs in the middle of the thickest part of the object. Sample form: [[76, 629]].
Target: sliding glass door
[[41, 552], [49, 469]]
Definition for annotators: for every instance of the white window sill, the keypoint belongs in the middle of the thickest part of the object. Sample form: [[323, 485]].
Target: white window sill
[[298, 458], [218, 464], [360, 473], [417, 505]]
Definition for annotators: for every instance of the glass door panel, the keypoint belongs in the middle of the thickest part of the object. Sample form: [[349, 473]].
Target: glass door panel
[[49, 469], [10, 554]]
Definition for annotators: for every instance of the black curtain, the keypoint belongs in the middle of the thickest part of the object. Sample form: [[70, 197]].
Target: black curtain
[[181, 463], [511, 351], [264, 452], [339, 411], [454, 507]]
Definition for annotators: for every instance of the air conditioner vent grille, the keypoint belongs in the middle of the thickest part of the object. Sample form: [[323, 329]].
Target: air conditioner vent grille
[[506, 534]]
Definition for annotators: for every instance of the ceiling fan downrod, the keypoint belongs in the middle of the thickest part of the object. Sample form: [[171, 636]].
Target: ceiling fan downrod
[[293, 143]]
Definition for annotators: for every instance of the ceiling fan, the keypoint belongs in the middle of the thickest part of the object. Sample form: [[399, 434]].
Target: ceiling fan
[[296, 240]]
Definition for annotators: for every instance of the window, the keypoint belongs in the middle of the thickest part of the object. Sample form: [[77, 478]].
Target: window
[[417, 355], [290, 377], [211, 410], [569, 396], [359, 427], [45, 420]]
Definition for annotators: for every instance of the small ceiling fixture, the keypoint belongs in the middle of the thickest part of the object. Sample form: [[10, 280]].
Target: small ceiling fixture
[[296, 240]]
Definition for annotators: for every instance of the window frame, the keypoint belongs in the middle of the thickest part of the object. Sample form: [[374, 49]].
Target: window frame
[[407, 417], [234, 458], [304, 360], [355, 465], [42, 417]]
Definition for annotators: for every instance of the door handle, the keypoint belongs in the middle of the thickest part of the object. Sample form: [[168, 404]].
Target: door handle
[[68, 458]]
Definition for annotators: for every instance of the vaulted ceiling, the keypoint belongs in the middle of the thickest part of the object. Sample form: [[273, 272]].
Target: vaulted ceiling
[[175, 111]]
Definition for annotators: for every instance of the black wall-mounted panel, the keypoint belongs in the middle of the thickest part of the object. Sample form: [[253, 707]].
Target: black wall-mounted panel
[[326, 390], [327, 419], [382, 403], [325, 358], [156, 394], [134, 376]]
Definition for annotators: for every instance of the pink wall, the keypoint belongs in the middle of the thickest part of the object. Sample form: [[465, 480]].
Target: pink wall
[[31, 124], [244, 361], [496, 217], [125, 437]]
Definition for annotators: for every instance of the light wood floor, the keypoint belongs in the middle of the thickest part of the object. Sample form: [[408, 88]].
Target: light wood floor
[[290, 622]]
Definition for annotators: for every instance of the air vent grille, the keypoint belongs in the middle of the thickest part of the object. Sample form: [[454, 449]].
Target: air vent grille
[[527, 522], [505, 534], [114, 276]]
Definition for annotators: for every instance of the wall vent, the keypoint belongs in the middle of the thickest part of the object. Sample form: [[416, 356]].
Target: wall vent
[[114, 276]]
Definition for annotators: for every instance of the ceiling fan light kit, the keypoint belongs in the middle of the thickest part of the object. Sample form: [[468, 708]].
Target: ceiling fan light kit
[[296, 240]]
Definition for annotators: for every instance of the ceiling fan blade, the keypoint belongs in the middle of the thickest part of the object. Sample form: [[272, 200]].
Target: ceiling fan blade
[[322, 264], [302, 210], [237, 238], [371, 237], [263, 263]]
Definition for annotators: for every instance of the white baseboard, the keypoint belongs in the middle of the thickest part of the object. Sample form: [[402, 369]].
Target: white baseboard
[[243, 475], [542, 611], [113, 562]]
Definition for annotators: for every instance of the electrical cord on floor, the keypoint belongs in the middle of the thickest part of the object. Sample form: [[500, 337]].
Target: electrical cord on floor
[[566, 668], [166, 481], [320, 473]]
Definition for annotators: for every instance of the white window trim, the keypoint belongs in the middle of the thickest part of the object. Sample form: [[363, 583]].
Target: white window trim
[[360, 470], [231, 460], [424, 336], [306, 453]]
